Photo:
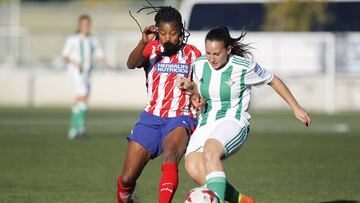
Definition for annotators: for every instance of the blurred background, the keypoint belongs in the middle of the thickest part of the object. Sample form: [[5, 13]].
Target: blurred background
[[313, 45]]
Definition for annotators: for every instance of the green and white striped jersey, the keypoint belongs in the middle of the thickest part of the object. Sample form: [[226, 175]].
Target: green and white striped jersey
[[227, 91], [82, 50]]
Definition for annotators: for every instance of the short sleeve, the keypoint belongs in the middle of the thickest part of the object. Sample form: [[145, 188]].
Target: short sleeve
[[196, 51], [66, 51], [195, 74], [99, 52], [257, 76]]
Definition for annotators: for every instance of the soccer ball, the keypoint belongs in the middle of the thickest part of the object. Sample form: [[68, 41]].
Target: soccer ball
[[201, 195]]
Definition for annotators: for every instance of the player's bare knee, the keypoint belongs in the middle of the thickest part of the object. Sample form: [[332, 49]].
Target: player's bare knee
[[127, 179], [210, 156], [171, 156], [190, 168]]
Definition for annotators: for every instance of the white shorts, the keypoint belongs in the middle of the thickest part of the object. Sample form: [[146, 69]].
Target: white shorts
[[231, 133], [80, 82]]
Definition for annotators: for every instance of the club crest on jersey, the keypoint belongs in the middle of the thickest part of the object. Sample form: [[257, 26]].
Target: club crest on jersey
[[230, 82], [178, 68], [259, 71]]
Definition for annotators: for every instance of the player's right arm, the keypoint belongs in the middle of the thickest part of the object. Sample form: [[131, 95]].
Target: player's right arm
[[136, 57], [191, 85], [282, 90], [66, 53], [68, 60]]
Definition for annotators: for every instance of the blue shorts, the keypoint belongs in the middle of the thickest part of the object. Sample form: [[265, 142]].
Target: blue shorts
[[150, 130]]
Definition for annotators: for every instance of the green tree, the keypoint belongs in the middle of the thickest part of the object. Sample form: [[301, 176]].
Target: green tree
[[295, 15]]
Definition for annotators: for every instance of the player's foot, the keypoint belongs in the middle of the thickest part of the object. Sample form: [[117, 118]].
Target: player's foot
[[72, 134], [246, 199], [81, 135]]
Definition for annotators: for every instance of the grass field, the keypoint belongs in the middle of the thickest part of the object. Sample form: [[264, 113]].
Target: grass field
[[282, 161]]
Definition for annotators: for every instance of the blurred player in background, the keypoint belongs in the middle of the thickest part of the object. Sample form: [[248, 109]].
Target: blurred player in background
[[78, 53], [167, 121], [224, 79]]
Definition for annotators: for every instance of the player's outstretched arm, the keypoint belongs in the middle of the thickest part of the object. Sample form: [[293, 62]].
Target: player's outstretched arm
[[106, 63], [136, 58], [278, 85]]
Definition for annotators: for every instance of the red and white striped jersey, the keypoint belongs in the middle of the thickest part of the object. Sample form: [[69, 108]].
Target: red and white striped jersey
[[164, 98]]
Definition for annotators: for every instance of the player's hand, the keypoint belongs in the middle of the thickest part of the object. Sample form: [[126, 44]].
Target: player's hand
[[149, 34], [80, 67], [182, 83], [197, 101], [109, 67], [302, 115]]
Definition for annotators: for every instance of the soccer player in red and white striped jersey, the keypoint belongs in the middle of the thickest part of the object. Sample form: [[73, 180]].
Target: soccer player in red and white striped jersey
[[164, 98], [166, 123]]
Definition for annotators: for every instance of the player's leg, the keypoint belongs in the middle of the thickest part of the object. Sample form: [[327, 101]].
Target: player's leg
[[81, 102], [73, 128], [230, 135], [195, 167], [82, 99], [194, 157], [174, 146], [175, 139], [78, 113], [135, 160], [144, 142], [215, 175]]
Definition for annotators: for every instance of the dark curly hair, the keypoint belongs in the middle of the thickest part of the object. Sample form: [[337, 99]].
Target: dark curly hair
[[165, 14]]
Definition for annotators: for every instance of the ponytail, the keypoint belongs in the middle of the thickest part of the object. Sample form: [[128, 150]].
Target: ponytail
[[237, 47]]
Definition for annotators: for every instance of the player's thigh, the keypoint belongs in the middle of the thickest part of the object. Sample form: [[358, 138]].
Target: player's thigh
[[198, 139], [136, 158], [195, 167], [80, 84], [176, 136], [213, 150], [144, 142], [231, 134], [147, 132], [174, 145]]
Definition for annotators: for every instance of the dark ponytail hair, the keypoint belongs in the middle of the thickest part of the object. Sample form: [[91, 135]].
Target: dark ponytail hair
[[222, 34]]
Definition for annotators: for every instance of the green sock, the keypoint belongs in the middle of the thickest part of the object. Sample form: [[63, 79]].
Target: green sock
[[231, 194], [73, 122], [216, 182], [82, 117]]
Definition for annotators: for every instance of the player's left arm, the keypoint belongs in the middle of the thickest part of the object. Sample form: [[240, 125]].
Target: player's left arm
[[281, 89], [185, 83], [99, 52], [106, 64]]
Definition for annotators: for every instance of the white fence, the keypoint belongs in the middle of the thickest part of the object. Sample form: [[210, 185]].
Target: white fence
[[322, 70], [126, 89]]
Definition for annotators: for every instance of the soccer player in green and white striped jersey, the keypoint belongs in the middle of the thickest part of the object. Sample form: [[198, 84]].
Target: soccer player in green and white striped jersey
[[78, 53], [224, 78]]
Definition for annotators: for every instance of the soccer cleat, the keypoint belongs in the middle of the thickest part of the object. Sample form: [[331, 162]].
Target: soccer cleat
[[246, 199], [81, 135]]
